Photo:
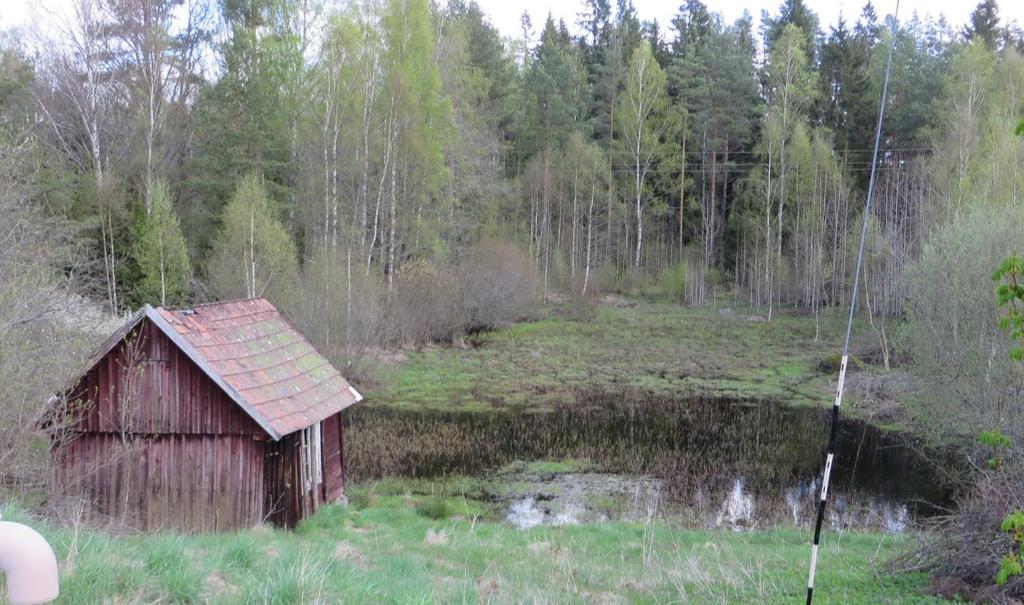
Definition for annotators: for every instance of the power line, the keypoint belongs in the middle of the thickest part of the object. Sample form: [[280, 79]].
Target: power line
[[830, 455], [838, 152]]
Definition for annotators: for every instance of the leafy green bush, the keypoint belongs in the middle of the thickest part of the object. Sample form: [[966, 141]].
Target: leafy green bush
[[1013, 563]]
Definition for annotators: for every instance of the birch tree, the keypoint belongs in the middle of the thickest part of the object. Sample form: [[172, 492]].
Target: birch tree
[[790, 92], [253, 255], [416, 124], [155, 46], [645, 129], [160, 253], [77, 100]]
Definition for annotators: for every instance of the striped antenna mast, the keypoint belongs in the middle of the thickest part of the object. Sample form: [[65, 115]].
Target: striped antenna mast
[[830, 457]]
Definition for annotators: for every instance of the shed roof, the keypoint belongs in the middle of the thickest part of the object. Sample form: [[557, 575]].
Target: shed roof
[[257, 358]]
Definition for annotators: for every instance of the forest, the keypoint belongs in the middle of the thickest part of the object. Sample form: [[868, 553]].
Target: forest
[[386, 136], [188, 150], [395, 174]]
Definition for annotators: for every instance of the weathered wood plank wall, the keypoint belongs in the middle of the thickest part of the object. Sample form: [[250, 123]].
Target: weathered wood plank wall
[[156, 444], [165, 392], [184, 482]]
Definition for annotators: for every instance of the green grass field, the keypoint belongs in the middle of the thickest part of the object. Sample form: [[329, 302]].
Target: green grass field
[[389, 549], [424, 541], [664, 348]]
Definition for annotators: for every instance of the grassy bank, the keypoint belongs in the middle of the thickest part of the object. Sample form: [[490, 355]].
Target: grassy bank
[[664, 348], [391, 550]]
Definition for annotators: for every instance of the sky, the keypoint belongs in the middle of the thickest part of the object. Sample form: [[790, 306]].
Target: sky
[[505, 13]]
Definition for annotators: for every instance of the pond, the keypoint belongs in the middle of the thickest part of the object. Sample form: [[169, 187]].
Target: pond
[[705, 461]]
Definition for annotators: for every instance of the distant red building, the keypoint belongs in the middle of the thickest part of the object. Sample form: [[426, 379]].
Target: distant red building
[[205, 419]]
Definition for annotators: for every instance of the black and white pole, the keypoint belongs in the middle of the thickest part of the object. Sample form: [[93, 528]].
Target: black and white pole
[[834, 430]]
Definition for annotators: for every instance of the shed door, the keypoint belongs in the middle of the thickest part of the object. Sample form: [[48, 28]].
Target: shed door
[[281, 480], [334, 478]]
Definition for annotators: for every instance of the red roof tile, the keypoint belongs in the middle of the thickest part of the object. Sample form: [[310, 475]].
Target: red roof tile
[[261, 361]]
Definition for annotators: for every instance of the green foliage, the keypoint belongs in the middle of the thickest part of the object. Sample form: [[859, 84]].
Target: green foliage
[[160, 254], [791, 79], [1014, 523], [554, 94], [958, 329], [244, 120], [673, 281], [977, 157], [414, 85], [1013, 563], [794, 15], [648, 133], [983, 24], [1010, 294], [995, 439], [1009, 566], [254, 256], [845, 76]]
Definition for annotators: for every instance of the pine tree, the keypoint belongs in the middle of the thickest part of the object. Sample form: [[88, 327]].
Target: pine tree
[[845, 103]]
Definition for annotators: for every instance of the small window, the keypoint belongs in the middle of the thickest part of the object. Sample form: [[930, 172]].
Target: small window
[[312, 456], [318, 456]]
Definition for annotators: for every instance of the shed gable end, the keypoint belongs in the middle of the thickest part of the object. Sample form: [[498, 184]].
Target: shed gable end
[[145, 384]]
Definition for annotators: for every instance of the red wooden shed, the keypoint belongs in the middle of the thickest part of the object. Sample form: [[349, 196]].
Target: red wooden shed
[[212, 418]]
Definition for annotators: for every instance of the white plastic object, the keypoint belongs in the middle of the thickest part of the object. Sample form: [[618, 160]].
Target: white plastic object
[[29, 563]]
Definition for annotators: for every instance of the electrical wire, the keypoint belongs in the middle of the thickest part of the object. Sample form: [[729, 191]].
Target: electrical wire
[[830, 456]]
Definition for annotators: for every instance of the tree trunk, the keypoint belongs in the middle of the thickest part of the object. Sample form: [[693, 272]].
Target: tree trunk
[[590, 229]]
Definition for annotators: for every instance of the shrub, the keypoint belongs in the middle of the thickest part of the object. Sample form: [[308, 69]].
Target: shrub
[[952, 335], [582, 307], [498, 281], [426, 305], [341, 319], [975, 395]]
